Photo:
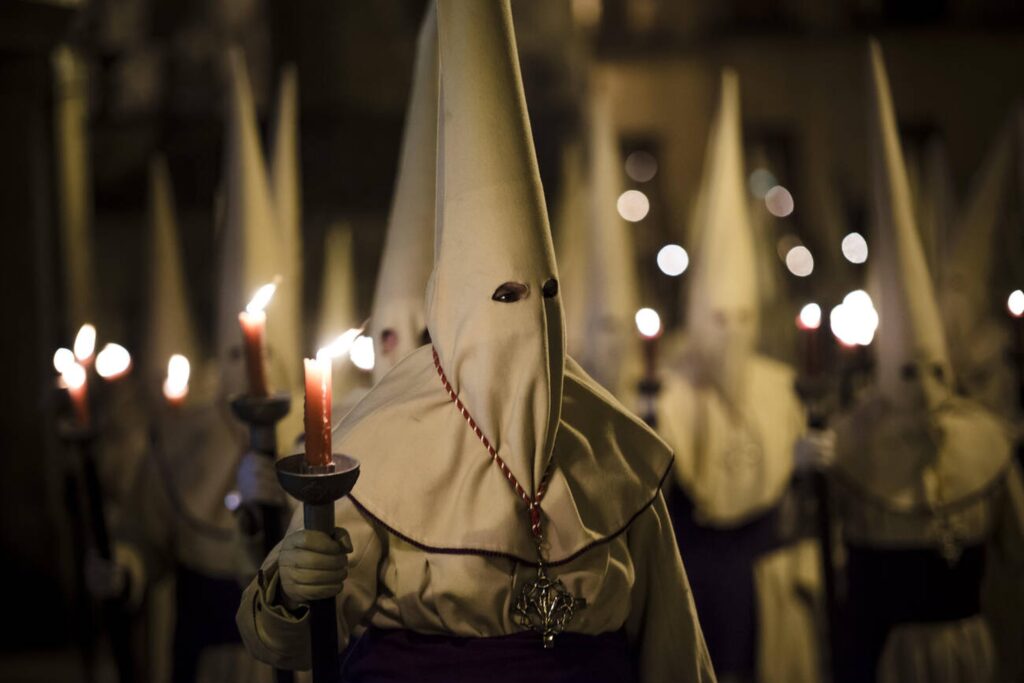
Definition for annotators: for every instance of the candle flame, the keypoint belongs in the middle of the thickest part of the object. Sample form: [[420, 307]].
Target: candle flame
[[648, 323], [62, 359], [85, 342], [113, 361], [341, 345], [73, 376], [810, 317], [262, 297], [176, 384], [361, 354]]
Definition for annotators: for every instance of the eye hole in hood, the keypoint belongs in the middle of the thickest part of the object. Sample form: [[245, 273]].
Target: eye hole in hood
[[511, 292]]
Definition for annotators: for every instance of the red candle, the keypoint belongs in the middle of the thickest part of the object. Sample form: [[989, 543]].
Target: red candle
[[78, 390], [254, 324], [318, 411]]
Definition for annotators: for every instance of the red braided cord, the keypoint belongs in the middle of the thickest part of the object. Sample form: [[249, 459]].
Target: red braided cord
[[533, 504]]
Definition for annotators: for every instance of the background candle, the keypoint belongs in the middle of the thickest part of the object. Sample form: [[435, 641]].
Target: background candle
[[176, 384], [78, 390], [318, 410], [254, 325]]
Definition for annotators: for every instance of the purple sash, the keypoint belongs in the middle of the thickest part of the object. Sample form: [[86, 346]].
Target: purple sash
[[400, 656]]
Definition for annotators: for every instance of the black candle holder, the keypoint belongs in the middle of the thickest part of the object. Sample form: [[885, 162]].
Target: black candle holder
[[318, 488], [261, 414], [82, 440]]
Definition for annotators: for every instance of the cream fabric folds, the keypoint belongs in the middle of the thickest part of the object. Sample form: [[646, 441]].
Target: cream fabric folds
[[910, 328], [170, 327], [286, 188], [610, 346], [249, 242], [398, 302], [734, 460], [723, 311], [570, 227]]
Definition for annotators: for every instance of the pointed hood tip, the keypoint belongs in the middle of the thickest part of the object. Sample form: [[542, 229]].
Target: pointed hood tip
[[910, 327]]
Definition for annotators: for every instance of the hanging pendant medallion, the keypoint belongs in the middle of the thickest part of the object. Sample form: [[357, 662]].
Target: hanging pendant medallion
[[546, 606]]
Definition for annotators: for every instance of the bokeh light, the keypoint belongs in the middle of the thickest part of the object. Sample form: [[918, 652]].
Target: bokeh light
[[673, 260], [810, 316], [62, 360], [361, 353], [799, 261], [648, 322], [779, 202], [760, 181], [1016, 303], [854, 321], [641, 166], [85, 342], [633, 205], [855, 248]]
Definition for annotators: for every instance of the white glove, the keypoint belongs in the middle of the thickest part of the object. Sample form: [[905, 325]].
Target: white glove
[[312, 566], [815, 450], [257, 481]]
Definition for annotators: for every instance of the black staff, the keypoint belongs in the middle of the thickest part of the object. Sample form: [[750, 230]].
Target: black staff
[[318, 488]]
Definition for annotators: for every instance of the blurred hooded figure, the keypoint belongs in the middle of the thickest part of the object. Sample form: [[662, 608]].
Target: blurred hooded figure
[[501, 487], [930, 499], [338, 315], [178, 546], [610, 346], [734, 420], [398, 320], [979, 341]]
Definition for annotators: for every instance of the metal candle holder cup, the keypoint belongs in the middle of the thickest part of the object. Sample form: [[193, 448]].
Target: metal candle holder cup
[[261, 414], [318, 490]]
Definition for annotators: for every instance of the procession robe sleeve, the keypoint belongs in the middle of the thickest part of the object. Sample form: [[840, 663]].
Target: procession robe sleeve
[[662, 627], [274, 635], [1004, 581]]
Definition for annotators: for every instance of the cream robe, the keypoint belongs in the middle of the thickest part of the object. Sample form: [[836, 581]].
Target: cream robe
[[735, 469], [634, 581], [894, 493], [176, 516]]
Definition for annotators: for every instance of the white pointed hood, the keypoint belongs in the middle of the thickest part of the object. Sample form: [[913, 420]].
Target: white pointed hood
[[398, 302], [170, 326], [571, 234], [286, 187], [723, 311], [910, 328], [504, 360], [611, 347], [249, 242], [492, 228]]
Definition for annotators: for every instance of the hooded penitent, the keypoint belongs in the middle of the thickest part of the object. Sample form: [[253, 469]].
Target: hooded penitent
[[398, 319], [723, 310], [729, 413], [969, 299], [249, 241], [170, 327], [610, 346], [910, 334], [494, 315], [286, 335]]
